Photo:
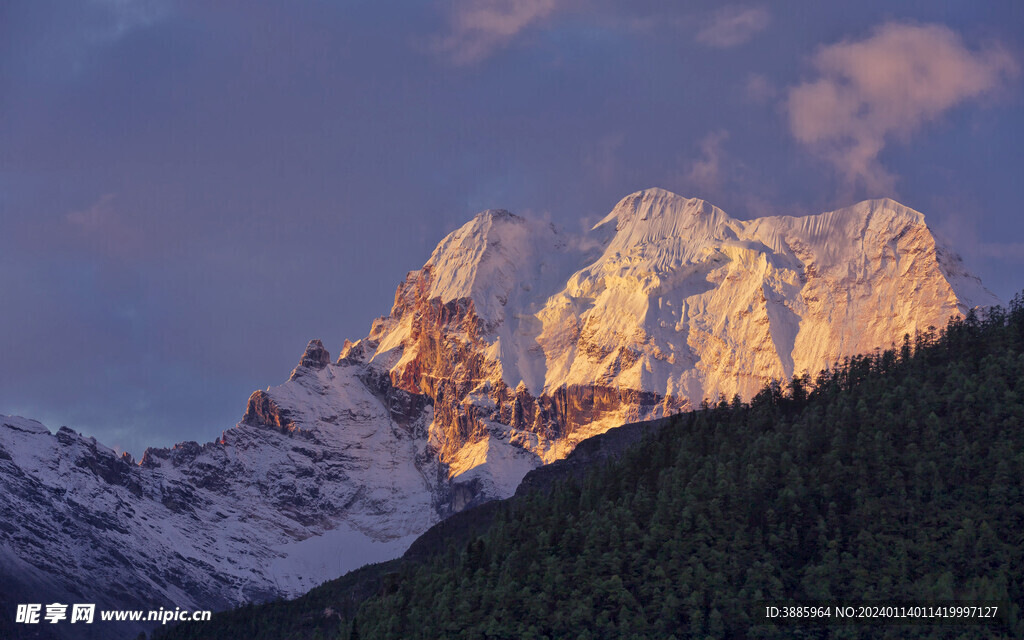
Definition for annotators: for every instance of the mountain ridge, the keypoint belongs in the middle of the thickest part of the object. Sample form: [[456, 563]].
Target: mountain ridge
[[810, 485], [513, 343]]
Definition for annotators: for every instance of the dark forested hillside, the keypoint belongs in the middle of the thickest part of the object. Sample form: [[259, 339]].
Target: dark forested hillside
[[895, 476]]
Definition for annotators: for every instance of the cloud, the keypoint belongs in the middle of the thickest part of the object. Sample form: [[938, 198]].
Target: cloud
[[1007, 251], [478, 28], [872, 91], [732, 26], [705, 174], [961, 231], [759, 89], [125, 16]]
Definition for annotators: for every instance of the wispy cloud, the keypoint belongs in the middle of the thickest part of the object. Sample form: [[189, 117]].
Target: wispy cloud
[[759, 89], [478, 28], [124, 16], [732, 26], [884, 87], [705, 173], [961, 231]]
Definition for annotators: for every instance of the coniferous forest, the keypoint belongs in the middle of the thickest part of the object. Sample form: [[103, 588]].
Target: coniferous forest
[[896, 476]]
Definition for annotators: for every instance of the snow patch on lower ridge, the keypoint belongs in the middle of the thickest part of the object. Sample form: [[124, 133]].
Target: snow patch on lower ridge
[[513, 343]]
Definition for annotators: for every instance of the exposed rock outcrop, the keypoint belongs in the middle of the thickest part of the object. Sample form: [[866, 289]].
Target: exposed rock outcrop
[[315, 356]]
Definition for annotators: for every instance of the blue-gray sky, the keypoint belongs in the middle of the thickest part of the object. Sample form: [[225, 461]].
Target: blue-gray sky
[[189, 191]]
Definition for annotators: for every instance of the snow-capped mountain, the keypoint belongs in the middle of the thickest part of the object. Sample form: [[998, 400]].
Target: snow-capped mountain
[[528, 341], [513, 343]]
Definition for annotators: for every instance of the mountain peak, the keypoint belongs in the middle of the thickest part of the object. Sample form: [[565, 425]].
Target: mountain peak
[[661, 210], [479, 260], [23, 424], [501, 215], [314, 357], [886, 205]]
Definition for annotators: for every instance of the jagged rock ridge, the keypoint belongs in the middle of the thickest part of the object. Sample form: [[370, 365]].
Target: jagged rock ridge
[[508, 347]]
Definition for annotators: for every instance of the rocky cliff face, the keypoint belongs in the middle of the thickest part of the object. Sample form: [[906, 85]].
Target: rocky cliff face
[[512, 344]]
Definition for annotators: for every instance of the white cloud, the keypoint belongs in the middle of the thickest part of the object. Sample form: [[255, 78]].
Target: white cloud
[[478, 28], [884, 87], [732, 26]]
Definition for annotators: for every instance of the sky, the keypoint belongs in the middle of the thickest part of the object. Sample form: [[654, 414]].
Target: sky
[[190, 191]]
